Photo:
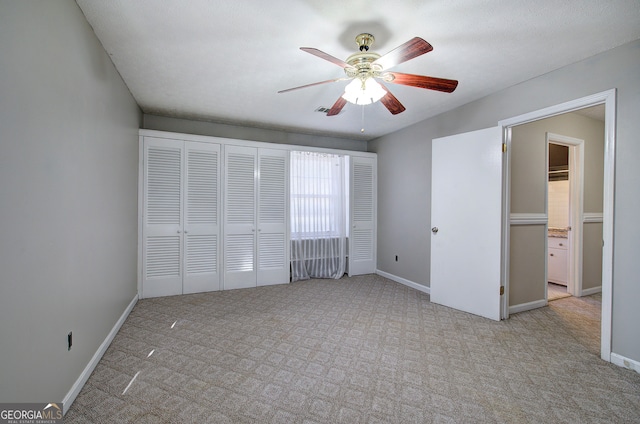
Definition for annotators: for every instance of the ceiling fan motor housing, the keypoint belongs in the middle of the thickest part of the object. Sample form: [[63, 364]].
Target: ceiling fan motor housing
[[362, 64], [364, 41]]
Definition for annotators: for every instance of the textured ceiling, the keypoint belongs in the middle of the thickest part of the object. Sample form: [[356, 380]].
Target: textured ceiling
[[224, 61]]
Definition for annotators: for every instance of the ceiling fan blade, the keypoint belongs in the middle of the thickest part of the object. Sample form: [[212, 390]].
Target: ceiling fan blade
[[421, 81], [311, 85], [391, 102], [337, 107], [325, 56], [412, 48]]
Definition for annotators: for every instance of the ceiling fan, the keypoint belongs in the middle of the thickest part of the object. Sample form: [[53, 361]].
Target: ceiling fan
[[365, 67]]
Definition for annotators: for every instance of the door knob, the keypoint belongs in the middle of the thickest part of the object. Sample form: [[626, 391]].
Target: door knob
[[434, 230]]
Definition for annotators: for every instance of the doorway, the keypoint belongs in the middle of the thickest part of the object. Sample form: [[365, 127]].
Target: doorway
[[530, 220], [559, 223], [564, 210]]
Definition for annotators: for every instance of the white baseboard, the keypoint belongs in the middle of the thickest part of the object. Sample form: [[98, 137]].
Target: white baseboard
[[527, 306], [592, 290], [84, 376], [404, 281], [621, 361]]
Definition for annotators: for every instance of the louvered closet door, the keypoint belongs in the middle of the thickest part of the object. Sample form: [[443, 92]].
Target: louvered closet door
[[162, 219], [240, 217], [362, 237], [273, 195], [201, 218]]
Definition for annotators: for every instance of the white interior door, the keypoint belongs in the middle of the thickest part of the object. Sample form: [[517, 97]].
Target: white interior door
[[362, 235], [273, 200], [240, 217], [466, 214], [201, 218], [162, 218]]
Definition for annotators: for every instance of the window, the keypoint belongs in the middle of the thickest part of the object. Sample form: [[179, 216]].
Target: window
[[319, 193]]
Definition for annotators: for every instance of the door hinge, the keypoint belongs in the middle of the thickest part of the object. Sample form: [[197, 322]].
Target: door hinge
[[504, 147], [501, 290]]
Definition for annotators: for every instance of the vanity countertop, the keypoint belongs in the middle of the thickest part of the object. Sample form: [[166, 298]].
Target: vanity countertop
[[558, 232]]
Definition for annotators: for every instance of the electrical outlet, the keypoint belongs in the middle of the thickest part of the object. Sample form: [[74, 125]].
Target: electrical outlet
[[69, 340]]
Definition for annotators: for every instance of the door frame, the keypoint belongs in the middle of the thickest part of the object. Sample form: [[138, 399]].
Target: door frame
[[576, 208], [608, 98]]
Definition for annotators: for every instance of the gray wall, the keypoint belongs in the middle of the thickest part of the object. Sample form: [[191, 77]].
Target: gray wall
[[214, 129], [68, 193], [528, 195], [403, 157], [528, 160]]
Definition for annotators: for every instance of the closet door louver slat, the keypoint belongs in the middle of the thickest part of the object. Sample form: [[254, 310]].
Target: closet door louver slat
[[163, 186], [163, 257]]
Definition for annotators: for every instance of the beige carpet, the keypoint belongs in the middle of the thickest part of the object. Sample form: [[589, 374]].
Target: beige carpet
[[356, 350]]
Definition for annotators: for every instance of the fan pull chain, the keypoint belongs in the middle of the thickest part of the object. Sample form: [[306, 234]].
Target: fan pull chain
[[362, 129]]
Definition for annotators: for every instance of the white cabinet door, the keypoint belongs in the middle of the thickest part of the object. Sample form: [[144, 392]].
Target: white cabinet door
[[557, 268], [362, 235], [240, 217], [180, 217], [466, 221], [273, 201], [162, 218], [201, 218]]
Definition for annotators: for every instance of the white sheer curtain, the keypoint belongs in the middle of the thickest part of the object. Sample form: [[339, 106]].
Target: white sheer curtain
[[318, 215]]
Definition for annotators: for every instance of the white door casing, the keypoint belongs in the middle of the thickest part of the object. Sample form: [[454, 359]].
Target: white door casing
[[466, 221], [608, 98]]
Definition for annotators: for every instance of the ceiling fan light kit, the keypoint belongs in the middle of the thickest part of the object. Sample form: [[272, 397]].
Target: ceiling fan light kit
[[363, 92], [365, 67]]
